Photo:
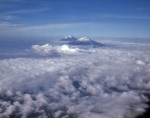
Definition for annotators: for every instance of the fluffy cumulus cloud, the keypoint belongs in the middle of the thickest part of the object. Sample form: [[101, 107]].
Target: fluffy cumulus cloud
[[47, 49], [104, 82]]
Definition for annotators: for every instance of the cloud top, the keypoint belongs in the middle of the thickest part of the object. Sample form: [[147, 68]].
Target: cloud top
[[48, 49], [107, 82]]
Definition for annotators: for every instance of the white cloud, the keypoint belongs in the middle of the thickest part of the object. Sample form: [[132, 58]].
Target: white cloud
[[7, 17], [27, 11], [43, 50], [67, 49], [48, 49], [8, 26], [20, 27], [140, 62], [107, 82]]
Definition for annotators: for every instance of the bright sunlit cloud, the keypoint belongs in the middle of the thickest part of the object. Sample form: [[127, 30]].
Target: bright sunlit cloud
[[78, 81]]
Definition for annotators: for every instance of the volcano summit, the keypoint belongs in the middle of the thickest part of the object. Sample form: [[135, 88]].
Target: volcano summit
[[81, 41]]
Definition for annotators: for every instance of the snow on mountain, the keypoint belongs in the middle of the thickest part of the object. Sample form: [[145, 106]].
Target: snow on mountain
[[85, 41], [69, 38], [81, 41]]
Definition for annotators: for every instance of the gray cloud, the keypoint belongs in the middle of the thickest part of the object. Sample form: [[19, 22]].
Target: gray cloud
[[82, 82]]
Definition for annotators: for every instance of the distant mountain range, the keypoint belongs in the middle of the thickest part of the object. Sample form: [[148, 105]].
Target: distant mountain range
[[81, 41]]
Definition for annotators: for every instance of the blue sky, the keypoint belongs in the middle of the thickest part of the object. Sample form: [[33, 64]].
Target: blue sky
[[59, 18]]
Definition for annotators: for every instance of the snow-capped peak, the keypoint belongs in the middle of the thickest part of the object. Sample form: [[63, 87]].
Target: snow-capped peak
[[70, 36], [84, 39]]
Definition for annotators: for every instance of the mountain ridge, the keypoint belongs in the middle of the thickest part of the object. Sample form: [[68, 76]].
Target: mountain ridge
[[81, 41]]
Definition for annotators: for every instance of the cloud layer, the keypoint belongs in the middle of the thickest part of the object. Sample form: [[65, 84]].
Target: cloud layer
[[48, 49], [107, 82]]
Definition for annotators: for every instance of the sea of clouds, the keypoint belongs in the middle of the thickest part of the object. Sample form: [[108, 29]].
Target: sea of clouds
[[62, 81]]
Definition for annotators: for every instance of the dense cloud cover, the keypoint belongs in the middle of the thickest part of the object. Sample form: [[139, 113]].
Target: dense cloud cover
[[81, 82]]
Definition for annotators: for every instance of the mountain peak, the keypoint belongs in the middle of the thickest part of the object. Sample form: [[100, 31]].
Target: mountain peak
[[69, 38], [83, 39]]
